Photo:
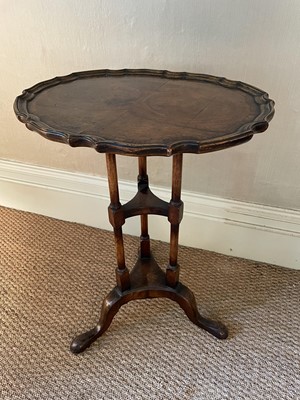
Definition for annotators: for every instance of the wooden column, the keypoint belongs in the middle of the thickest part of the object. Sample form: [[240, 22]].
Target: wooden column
[[143, 184], [122, 273], [175, 216]]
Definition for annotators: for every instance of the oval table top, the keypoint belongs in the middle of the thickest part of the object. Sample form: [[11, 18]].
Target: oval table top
[[145, 112]]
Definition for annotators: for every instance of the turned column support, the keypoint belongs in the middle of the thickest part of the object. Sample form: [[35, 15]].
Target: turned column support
[[117, 220], [143, 184], [175, 217], [144, 203]]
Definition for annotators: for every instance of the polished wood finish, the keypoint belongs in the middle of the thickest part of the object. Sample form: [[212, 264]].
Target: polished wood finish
[[145, 112]]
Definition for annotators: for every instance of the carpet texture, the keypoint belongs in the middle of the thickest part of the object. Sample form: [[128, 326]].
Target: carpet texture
[[53, 276]]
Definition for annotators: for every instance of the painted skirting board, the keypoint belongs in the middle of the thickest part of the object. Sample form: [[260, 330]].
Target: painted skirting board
[[261, 233]]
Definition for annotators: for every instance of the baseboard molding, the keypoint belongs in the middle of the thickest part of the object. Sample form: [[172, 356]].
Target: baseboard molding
[[261, 233]]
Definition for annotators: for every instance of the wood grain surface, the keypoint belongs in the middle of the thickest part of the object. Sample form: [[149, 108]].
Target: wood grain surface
[[145, 112]]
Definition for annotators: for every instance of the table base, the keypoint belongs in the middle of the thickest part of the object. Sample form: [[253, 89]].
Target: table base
[[146, 279]]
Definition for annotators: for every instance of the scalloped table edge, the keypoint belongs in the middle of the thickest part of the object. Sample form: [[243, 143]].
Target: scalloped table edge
[[101, 145]]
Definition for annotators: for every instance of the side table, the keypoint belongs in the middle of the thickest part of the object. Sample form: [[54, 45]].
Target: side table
[[145, 113]]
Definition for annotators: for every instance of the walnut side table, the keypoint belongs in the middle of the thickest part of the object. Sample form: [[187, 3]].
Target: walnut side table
[[145, 113]]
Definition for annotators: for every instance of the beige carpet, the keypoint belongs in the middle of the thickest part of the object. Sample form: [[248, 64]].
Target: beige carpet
[[52, 279]]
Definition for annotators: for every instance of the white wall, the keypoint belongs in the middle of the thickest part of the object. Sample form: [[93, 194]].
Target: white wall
[[255, 41]]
